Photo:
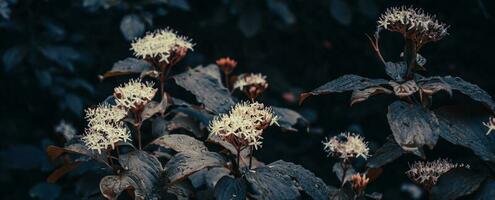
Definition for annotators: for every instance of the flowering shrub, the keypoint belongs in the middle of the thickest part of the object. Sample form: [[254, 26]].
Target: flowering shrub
[[203, 147], [414, 120]]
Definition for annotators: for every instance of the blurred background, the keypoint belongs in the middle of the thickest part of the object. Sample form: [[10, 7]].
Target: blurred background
[[52, 52]]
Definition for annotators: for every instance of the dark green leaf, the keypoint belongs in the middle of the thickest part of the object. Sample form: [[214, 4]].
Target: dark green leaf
[[305, 179], [471, 90], [281, 9], [265, 184], [487, 191], [153, 108], [385, 154], [127, 66], [413, 126], [229, 188], [132, 26], [363, 95], [344, 83], [185, 163], [463, 126], [180, 143], [431, 85], [456, 183], [396, 71], [62, 55], [288, 118], [205, 84], [341, 12], [181, 4], [13, 56], [141, 173]]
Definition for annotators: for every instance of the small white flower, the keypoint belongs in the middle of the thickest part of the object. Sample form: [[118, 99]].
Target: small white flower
[[247, 80], [134, 94], [346, 145], [427, 173], [160, 44], [490, 125], [244, 124], [105, 127]]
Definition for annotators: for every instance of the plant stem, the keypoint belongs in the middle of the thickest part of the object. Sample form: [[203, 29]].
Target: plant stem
[[251, 156], [226, 77], [137, 122], [344, 173], [410, 56]]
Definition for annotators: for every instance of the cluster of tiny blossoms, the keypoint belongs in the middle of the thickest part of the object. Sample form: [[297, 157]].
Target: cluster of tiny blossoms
[[413, 24], [244, 124], [346, 145], [134, 94], [160, 44], [105, 127], [246, 80], [490, 125], [427, 173]]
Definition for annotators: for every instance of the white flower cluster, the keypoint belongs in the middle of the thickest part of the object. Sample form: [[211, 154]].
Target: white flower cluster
[[246, 80], [160, 44], [413, 23], [427, 173], [245, 123], [346, 145], [490, 125], [105, 127], [134, 94]]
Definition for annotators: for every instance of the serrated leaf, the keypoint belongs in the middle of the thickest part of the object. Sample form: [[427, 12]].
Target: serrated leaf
[[228, 188], [385, 154], [471, 90], [396, 71], [289, 118], [462, 126], [183, 164], [132, 26], [305, 179], [456, 183], [362, 95], [127, 66], [205, 84], [344, 83], [413, 126], [265, 184], [180, 143]]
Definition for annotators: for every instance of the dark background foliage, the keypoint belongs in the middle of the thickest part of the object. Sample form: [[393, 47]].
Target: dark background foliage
[[53, 51]]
